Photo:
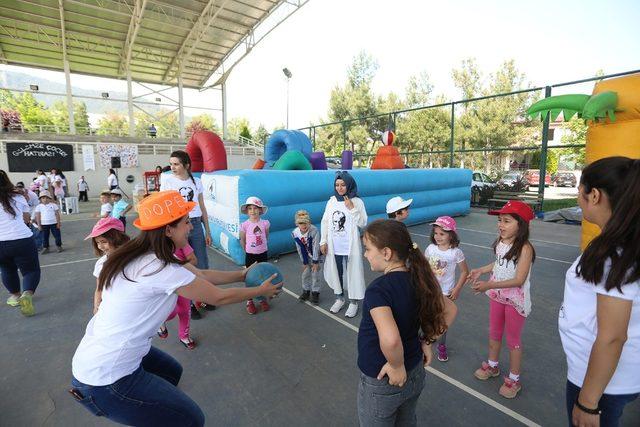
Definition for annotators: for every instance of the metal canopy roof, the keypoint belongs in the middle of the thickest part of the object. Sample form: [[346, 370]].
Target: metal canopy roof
[[155, 40]]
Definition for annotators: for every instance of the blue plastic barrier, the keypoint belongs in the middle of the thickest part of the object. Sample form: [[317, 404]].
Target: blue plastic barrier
[[435, 192]]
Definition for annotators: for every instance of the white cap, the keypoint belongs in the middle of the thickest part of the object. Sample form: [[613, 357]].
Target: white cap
[[397, 203], [117, 191]]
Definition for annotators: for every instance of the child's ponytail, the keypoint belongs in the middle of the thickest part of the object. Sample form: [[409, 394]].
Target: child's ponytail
[[395, 236]]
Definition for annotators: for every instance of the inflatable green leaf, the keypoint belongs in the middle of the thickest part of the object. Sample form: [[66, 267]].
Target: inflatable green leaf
[[568, 105], [601, 106]]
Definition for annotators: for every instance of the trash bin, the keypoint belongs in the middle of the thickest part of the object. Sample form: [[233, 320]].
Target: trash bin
[[69, 205]]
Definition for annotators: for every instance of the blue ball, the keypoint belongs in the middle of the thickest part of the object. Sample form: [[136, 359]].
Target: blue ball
[[261, 272]]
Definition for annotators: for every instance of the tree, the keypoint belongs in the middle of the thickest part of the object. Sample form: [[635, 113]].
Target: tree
[[11, 118], [236, 125], [261, 134], [362, 70], [60, 117], [34, 115], [202, 122], [113, 123], [577, 135]]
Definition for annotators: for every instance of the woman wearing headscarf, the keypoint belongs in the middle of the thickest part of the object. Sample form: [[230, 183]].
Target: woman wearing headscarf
[[340, 242]]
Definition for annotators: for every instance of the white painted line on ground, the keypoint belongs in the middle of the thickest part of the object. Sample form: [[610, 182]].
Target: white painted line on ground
[[533, 240], [516, 416], [69, 262], [489, 247]]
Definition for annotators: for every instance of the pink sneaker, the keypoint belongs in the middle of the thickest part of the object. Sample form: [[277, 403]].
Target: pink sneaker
[[510, 388], [485, 372], [442, 353]]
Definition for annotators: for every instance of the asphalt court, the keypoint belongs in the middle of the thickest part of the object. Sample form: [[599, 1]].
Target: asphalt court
[[295, 365]]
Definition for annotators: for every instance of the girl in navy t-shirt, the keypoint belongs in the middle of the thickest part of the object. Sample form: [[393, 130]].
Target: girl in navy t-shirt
[[400, 307]]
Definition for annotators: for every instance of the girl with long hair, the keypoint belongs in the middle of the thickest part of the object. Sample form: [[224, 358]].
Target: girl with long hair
[[403, 313], [599, 319], [116, 372], [17, 247]]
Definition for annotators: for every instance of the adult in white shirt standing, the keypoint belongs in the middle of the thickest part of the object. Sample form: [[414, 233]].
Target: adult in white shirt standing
[[17, 247], [599, 319], [116, 372], [112, 180]]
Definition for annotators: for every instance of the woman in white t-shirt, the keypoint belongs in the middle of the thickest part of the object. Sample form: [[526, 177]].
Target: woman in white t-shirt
[[599, 319], [116, 372], [17, 247], [191, 190], [42, 181], [343, 215], [112, 180]]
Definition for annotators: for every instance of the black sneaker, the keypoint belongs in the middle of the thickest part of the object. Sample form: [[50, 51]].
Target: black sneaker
[[209, 307], [315, 298], [195, 314], [304, 296]]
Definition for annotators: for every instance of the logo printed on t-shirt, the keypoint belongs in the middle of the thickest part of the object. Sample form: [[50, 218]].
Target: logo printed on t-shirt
[[187, 193], [338, 220]]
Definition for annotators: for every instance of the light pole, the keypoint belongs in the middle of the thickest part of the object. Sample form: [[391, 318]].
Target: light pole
[[288, 75]]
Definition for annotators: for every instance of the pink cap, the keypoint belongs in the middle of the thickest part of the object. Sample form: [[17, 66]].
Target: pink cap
[[446, 222], [105, 224]]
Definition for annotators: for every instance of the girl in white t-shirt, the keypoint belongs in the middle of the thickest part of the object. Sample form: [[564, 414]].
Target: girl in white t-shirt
[[106, 236], [599, 318], [116, 372], [508, 292], [105, 204], [343, 217], [47, 215], [445, 256], [112, 180]]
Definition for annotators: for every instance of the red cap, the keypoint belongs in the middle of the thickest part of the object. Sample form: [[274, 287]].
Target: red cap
[[516, 207]]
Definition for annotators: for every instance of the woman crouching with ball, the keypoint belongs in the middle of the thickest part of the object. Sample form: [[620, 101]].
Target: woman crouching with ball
[[116, 372]]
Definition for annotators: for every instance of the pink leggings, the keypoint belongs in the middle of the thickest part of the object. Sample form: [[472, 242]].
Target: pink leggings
[[183, 310], [501, 315]]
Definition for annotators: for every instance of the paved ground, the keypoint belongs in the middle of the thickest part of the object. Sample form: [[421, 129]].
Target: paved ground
[[295, 365]]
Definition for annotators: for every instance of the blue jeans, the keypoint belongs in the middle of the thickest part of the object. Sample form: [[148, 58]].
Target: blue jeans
[[19, 254], [381, 404], [56, 235], [147, 397], [610, 404], [197, 242]]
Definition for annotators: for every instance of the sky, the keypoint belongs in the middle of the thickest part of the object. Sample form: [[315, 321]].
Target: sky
[[550, 41]]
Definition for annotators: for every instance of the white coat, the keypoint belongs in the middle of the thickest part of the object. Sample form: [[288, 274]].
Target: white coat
[[354, 276]]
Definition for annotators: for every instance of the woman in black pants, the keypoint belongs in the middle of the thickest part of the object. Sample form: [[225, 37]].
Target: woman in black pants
[[17, 248]]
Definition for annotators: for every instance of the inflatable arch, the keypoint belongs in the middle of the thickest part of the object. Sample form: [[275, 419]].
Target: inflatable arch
[[435, 192], [207, 152], [284, 140]]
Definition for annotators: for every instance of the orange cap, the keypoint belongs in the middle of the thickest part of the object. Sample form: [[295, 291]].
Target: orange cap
[[160, 209]]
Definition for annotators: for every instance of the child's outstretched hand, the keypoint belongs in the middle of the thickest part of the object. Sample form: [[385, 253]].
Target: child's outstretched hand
[[270, 290], [397, 376], [474, 275], [455, 293], [481, 286]]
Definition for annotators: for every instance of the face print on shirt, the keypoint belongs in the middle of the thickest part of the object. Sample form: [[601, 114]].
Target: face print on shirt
[[186, 193], [257, 232], [438, 266], [337, 222]]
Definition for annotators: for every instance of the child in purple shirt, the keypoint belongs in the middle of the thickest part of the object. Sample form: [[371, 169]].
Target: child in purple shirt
[[254, 234]]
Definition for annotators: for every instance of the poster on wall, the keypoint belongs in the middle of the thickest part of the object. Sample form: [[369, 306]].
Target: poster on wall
[[29, 157], [88, 159], [128, 155]]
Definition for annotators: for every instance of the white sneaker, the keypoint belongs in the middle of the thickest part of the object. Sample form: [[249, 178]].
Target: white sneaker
[[352, 310], [13, 301], [337, 306]]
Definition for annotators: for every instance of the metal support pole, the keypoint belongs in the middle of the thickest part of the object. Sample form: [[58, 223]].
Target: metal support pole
[[287, 102], [453, 121], [224, 112], [67, 77], [132, 121], [543, 152], [181, 107]]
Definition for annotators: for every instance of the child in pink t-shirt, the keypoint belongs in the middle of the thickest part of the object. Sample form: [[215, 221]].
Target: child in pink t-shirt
[[183, 305], [254, 234]]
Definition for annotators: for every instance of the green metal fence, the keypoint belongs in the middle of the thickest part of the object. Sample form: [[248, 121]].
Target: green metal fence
[[445, 144]]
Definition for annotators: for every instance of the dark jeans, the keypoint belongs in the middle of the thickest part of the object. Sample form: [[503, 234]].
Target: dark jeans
[[610, 404], [123, 220], [197, 242], [147, 397], [113, 187], [56, 235], [83, 196], [251, 258], [19, 254], [381, 404], [341, 261]]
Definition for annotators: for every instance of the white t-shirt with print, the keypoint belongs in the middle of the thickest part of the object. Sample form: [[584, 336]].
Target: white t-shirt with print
[[578, 326], [98, 267], [341, 223], [519, 297], [47, 213], [13, 227], [120, 333], [189, 191], [443, 264]]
